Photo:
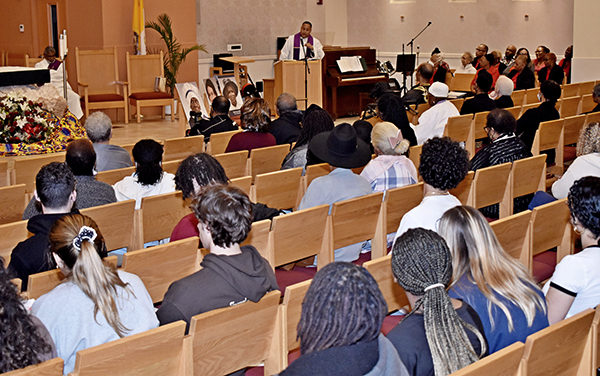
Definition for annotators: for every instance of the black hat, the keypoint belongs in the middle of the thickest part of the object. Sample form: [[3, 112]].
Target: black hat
[[341, 147], [435, 51]]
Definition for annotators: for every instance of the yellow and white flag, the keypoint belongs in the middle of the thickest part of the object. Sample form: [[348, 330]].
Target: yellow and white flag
[[139, 30]]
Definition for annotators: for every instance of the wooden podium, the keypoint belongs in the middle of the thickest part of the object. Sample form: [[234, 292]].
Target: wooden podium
[[289, 78]]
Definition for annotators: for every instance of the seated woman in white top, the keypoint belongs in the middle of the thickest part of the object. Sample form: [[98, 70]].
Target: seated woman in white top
[[466, 67], [149, 179], [391, 168], [575, 284], [96, 303], [587, 162]]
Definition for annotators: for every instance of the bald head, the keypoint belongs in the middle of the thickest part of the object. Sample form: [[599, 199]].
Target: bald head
[[81, 157], [481, 50], [510, 52], [220, 105], [424, 72]]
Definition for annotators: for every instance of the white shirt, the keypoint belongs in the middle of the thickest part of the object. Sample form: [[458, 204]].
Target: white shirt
[[129, 188], [287, 52], [466, 69], [578, 274], [56, 80], [586, 165], [433, 121], [427, 214]]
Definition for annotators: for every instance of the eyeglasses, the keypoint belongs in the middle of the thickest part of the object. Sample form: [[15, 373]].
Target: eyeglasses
[[487, 128]]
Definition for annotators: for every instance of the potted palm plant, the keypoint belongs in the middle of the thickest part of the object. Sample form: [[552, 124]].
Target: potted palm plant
[[175, 54]]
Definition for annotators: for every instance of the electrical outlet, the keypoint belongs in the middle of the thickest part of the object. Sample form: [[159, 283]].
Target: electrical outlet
[[22, 28]]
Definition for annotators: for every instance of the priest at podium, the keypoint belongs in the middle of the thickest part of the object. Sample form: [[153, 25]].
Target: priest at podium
[[302, 45]]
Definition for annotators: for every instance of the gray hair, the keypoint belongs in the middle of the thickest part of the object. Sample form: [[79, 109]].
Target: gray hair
[[98, 126], [504, 86], [286, 102]]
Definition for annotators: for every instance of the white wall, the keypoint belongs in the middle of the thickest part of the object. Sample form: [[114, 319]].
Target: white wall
[[586, 55]]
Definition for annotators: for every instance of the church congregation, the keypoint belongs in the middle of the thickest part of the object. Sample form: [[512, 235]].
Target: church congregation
[[446, 225]]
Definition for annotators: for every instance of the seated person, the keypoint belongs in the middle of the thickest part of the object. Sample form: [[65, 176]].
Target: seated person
[[391, 108], [440, 335], [433, 121], [522, 77], [441, 69], [219, 120], [340, 326], [286, 128], [575, 284], [587, 162], [195, 172], [256, 123], [25, 340], [498, 287], [363, 131], [502, 92], [98, 127], [343, 151], [481, 102], [418, 93], [551, 71], [81, 158], [466, 67], [504, 147], [443, 166], [230, 273], [149, 179], [55, 190], [486, 63], [96, 303], [596, 97]]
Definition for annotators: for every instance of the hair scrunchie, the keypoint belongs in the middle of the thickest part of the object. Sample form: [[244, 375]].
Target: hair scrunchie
[[85, 233]]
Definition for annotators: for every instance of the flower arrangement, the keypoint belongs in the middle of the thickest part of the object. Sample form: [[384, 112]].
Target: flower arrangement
[[23, 120]]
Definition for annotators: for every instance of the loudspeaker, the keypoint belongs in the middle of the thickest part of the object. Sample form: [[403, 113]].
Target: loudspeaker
[[217, 62]]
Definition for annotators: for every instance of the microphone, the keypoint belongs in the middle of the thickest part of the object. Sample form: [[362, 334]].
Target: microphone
[[429, 23]]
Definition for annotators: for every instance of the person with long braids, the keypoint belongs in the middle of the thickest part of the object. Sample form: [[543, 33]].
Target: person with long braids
[[440, 335], [497, 286], [96, 303], [339, 328], [149, 179], [24, 340]]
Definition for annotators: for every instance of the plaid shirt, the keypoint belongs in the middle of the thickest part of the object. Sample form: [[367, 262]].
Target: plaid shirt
[[390, 171]]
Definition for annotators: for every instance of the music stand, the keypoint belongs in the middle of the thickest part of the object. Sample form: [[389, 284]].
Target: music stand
[[406, 65]]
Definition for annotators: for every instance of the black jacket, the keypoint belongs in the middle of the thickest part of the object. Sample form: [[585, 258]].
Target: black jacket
[[286, 128], [479, 103], [216, 124], [525, 80], [31, 256], [530, 121], [556, 74], [223, 281]]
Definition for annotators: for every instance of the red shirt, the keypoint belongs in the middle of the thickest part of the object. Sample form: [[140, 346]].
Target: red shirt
[[249, 140]]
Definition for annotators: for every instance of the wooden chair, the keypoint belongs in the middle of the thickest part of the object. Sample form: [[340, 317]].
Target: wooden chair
[[594, 341], [399, 201], [572, 127], [292, 309], [228, 339], [460, 128], [346, 230], [158, 215], [515, 111], [259, 236], [592, 118], [585, 88], [5, 173], [235, 164], [98, 81], [164, 264], [559, 348], [267, 159], [550, 135], [279, 189], [518, 97], [381, 270], [458, 103], [528, 107], [527, 176], [219, 141], [52, 367], [244, 183], [570, 90], [26, 169], [116, 222], [414, 154], [531, 96], [513, 233], [112, 176], [141, 73], [155, 352], [171, 166], [299, 235], [489, 185], [479, 122], [419, 109], [504, 362], [12, 203], [12, 234], [462, 82], [463, 191], [551, 227], [183, 147], [587, 103], [313, 172], [569, 106]]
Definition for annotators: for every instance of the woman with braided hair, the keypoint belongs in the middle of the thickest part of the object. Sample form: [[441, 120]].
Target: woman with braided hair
[[96, 303], [497, 286], [339, 329], [440, 335]]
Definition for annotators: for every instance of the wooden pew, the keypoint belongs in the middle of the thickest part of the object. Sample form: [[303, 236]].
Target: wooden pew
[[12, 203], [52, 367]]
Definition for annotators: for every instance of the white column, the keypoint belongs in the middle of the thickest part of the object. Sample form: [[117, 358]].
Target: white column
[[586, 43]]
